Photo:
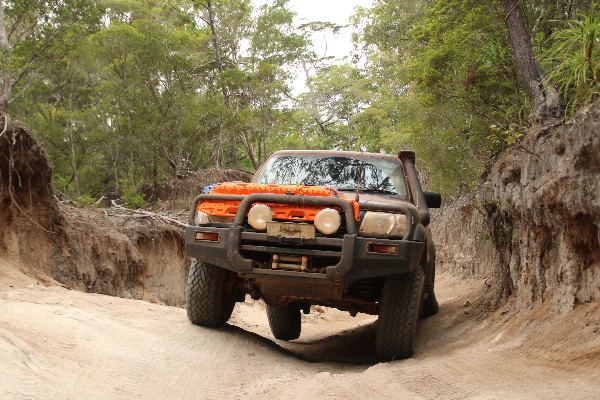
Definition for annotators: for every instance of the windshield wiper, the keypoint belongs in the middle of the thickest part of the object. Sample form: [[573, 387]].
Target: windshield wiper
[[383, 191], [352, 189]]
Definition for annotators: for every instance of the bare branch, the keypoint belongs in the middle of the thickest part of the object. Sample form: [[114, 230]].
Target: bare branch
[[127, 213]]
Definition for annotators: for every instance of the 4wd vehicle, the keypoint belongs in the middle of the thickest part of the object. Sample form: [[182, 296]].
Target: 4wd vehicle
[[348, 230]]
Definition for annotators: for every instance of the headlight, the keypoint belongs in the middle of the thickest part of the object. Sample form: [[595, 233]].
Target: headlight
[[381, 225], [259, 215], [328, 221], [202, 218]]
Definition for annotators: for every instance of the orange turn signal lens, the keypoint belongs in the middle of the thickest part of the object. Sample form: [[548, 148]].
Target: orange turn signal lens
[[207, 236], [382, 248]]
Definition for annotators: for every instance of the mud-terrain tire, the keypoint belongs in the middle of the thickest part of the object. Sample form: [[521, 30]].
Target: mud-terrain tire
[[208, 301], [399, 311], [285, 321], [430, 304]]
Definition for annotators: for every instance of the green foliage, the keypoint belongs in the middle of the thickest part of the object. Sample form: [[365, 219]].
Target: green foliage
[[446, 86], [85, 200], [62, 183], [133, 199], [573, 60], [332, 106], [477, 82], [128, 93], [131, 194], [445, 156], [274, 39], [35, 33]]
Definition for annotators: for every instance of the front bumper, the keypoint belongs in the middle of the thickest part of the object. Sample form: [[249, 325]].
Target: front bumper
[[356, 261], [352, 253]]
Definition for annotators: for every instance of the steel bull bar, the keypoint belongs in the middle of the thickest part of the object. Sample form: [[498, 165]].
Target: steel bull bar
[[354, 249]]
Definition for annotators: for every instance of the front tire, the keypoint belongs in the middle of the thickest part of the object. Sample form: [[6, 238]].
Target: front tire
[[285, 321], [399, 311], [209, 302]]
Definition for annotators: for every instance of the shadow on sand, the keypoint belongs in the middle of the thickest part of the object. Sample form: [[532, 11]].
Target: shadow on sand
[[352, 346]]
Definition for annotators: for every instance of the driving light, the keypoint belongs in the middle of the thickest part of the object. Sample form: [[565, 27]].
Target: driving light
[[202, 218], [382, 225], [207, 236], [328, 221], [259, 215], [382, 248]]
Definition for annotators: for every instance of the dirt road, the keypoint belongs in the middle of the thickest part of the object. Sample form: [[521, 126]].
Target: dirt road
[[57, 343]]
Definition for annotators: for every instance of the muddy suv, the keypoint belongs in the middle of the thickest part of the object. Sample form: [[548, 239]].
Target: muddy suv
[[339, 229]]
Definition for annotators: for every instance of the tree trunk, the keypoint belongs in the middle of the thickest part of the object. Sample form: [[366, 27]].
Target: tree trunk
[[215, 39], [5, 89], [251, 154], [72, 142], [5, 75], [545, 102], [112, 152], [220, 68]]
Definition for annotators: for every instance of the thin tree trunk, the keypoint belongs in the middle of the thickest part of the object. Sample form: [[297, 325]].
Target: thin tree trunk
[[115, 160], [251, 154], [215, 38], [226, 96], [5, 75], [72, 142], [5, 89], [544, 98], [215, 158], [112, 152]]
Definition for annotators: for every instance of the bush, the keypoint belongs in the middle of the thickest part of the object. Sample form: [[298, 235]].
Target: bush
[[132, 199], [85, 200], [573, 61]]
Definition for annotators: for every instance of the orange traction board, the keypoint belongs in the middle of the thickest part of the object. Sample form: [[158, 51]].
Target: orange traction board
[[288, 212]]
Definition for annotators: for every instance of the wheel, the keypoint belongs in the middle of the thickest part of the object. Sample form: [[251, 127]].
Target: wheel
[[430, 304], [399, 311], [209, 301], [285, 321]]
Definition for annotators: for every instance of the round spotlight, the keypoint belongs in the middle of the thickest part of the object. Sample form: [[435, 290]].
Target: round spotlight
[[259, 215], [328, 221]]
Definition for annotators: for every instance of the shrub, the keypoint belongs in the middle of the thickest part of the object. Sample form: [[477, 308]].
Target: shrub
[[85, 200], [133, 199], [573, 60]]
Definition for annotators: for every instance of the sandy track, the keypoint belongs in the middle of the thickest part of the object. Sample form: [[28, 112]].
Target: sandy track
[[61, 344]]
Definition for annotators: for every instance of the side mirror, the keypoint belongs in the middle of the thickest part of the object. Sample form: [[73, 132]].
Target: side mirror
[[433, 199]]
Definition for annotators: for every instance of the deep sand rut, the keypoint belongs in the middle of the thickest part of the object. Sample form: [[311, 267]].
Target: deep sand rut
[[57, 343]]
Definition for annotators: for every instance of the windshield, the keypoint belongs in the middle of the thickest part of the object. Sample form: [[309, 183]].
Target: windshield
[[368, 174]]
